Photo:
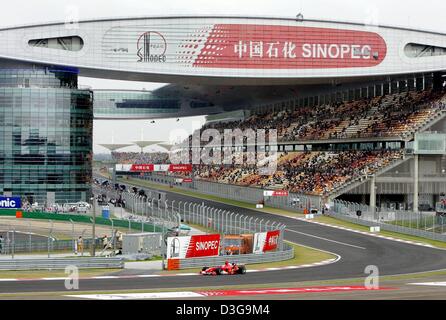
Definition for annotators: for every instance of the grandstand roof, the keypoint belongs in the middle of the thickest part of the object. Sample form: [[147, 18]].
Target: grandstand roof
[[145, 143], [220, 50], [166, 146]]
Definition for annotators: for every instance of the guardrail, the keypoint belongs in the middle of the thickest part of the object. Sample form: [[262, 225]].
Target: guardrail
[[61, 263], [286, 254], [392, 227]]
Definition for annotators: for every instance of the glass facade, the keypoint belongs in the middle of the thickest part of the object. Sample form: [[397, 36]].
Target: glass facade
[[46, 127]]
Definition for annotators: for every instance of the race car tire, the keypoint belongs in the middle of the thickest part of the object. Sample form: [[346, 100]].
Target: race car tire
[[218, 271], [241, 270], [204, 268]]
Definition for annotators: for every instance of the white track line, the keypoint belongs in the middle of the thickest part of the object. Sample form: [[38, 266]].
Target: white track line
[[313, 236]]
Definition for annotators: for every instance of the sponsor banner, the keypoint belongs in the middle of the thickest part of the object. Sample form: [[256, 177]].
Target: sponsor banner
[[187, 180], [266, 241], [180, 168], [244, 46], [10, 202], [276, 193], [134, 167], [286, 47], [193, 246], [153, 167]]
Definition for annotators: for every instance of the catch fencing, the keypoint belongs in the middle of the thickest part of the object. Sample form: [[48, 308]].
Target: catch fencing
[[420, 224], [212, 220], [41, 232], [294, 201], [173, 213]]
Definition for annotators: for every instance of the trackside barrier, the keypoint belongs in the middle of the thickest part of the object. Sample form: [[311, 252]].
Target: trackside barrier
[[286, 254], [294, 201], [83, 219], [212, 219], [392, 228], [61, 263]]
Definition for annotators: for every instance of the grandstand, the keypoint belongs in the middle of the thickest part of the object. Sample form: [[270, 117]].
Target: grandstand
[[332, 150]]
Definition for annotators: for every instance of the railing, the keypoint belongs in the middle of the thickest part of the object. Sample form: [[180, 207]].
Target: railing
[[61, 263], [427, 225]]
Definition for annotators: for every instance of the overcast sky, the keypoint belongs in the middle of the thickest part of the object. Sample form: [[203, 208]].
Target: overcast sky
[[427, 14]]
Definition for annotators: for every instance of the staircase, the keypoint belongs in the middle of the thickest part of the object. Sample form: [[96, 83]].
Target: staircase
[[425, 125], [354, 183]]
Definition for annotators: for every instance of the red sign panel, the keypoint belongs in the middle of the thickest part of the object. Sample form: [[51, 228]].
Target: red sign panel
[[187, 180], [280, 193], [142, 168], [271, 241], [247, 46], [203, 246], [180, 168]]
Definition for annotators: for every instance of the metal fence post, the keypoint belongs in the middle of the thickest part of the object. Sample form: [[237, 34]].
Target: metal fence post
[[236, 225], [72, 236], [231, 224], [113, 234], [244, 224], [30, 236], [165, 209], [13, 242], [272, 226], [50, 238], [255, 224]]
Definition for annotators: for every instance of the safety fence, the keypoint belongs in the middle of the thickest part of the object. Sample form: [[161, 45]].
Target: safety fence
[[61, 263], [427, 225], [286, 254], [212, 220], [293, 201], [392, 227], [130, 224], [42, 232]]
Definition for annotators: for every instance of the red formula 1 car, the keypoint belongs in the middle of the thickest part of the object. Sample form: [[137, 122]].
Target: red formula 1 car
[[227, 268]]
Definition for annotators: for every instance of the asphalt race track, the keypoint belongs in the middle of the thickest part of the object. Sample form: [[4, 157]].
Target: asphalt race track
[[356, 251]]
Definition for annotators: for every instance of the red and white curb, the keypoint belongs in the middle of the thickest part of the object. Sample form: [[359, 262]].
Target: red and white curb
[[316, 264], [224, 293], [367, 233]]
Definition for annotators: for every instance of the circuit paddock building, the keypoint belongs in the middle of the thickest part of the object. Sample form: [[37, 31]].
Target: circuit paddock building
[[227, 68]]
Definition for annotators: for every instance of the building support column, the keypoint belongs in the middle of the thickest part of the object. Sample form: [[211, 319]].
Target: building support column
[[373, 196], [415, 184]]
